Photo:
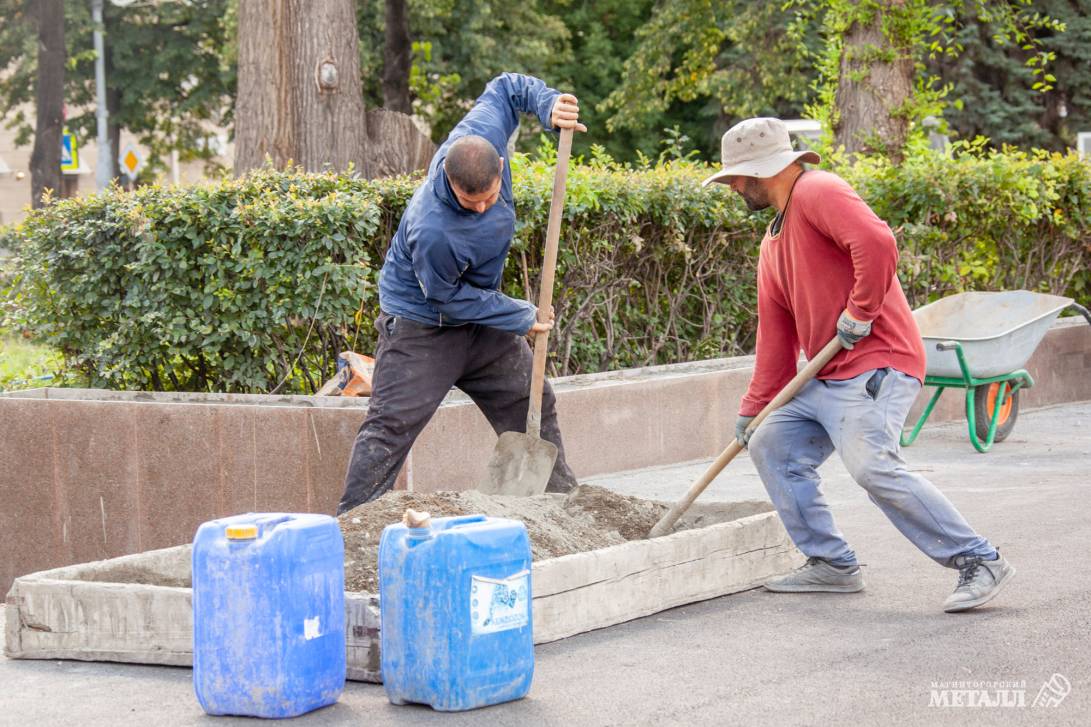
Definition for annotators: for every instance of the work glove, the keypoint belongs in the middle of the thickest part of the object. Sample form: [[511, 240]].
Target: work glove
[[741, 435], [850, 330]]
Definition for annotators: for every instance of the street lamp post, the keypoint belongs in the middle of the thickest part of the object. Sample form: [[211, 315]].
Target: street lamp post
[[103, 166]]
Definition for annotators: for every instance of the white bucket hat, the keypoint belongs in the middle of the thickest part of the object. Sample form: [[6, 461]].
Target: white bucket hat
[[757, 148]]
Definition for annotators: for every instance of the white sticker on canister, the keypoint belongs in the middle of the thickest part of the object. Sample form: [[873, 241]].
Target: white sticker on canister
[[499, 604], [311, 628]]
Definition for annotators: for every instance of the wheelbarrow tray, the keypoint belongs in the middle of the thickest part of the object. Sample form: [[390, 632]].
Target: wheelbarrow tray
[[998, 331]]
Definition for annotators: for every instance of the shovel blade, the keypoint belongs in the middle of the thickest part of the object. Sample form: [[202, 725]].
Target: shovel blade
[[521, 465]]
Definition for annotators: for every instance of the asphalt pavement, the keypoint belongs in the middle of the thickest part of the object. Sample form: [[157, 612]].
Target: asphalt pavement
[[888, 655]]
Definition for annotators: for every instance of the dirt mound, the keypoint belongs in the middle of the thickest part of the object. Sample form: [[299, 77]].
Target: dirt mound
[[587, 518], [629, 517]]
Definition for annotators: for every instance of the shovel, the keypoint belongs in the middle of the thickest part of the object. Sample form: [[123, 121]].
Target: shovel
[[666, 523], [522, 463]]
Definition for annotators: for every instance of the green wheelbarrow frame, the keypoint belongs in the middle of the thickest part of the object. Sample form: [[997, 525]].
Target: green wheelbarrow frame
[[1015, 380]]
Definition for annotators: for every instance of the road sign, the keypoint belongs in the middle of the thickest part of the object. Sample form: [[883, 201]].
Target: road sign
[[131, 161], [70, 153]]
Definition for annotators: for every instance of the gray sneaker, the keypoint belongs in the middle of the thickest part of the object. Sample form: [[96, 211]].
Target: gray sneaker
[[818, 576], [978, 581]]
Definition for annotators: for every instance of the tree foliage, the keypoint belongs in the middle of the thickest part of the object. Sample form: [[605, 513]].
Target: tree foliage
[[786, 59], [603, 35], [19, 59], [459, 46], [170, 70], [1001, 69], [170, 67], [588, 49], [994, 91], [921, 31], [731, 60]]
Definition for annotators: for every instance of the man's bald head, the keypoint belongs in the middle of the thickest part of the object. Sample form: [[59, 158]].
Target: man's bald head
[[472, 164]]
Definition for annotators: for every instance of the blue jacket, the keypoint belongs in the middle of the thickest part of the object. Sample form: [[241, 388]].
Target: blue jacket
[[445, 263]]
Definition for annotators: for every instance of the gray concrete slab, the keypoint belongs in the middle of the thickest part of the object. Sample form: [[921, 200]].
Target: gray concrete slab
[[759, 658]]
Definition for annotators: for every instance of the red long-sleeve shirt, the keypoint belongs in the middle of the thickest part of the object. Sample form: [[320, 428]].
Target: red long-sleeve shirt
[[833, 253]]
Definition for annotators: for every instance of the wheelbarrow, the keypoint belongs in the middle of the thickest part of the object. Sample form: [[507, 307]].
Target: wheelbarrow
[[980, 342]]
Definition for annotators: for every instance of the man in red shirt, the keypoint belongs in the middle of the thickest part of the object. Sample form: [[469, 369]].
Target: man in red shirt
[[829, 264]]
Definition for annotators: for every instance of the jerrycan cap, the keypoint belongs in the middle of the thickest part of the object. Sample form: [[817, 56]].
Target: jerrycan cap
[[419, 524], [417, 520], [248, 531]]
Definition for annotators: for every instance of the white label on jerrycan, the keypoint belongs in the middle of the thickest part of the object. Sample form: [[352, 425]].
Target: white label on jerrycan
[[499, 604]]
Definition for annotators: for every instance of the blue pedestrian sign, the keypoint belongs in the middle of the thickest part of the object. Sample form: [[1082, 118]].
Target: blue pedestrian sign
[[70, 153]]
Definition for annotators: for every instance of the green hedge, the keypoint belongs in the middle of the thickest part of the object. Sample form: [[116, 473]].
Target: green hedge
[[985, 221], [255, 284]]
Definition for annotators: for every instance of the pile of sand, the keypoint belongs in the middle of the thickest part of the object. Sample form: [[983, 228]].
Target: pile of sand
[[585, 519]]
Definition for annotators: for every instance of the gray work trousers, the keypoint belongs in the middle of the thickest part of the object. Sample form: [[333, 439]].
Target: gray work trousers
[[862, 419]]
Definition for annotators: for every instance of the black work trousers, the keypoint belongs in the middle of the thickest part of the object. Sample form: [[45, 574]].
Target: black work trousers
[[415, 366]]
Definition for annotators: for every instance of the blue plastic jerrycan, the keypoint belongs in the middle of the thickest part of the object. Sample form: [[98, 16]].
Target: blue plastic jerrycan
[[455, 604], [268, 614]]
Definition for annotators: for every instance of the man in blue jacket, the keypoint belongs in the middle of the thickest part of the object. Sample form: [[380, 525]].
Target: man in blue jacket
[[444, 321]]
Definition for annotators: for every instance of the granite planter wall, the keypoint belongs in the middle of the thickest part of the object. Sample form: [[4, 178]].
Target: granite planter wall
[[88, 475]]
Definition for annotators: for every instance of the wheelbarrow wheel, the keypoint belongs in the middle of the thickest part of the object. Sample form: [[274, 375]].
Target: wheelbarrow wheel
[[985, 404]]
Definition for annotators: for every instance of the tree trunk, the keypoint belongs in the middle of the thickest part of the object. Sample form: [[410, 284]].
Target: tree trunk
[[397, 49], [45, 158], [875, 84], [113, 109], [113, 130], [397, 145], [299, 98]]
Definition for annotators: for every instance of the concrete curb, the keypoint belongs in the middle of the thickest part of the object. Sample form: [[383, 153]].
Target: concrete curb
[[79, 612]]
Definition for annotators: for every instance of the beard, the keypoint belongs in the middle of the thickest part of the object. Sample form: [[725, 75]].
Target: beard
[[755, 196], [755, 205]]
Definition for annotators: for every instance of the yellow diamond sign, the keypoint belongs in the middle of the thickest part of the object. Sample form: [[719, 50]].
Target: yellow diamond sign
[[131, 161]]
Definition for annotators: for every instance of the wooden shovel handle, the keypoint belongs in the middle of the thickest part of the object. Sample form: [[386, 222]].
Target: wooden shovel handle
[[545, 291], [790, 390]]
